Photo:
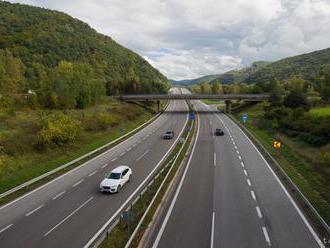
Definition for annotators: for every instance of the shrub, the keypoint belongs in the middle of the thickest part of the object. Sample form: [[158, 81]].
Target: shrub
[[325, 157], [59, 130], [100, 122]]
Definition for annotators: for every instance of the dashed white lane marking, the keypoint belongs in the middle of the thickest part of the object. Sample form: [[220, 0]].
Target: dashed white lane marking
[[34, 210], [122, 154], [139, 141], [114, 159], [215, 159], [253, 195], [248, 182], [142, 155], [264, 230], [58, 195], [235, 146], [128, 149], [5, 228], [242, 164], [237, 151], [103, 166], [93, 173], [134, 145], [259, 212], [245, 172], [62, 221], [239, 157], [77, 183], [212, 230]]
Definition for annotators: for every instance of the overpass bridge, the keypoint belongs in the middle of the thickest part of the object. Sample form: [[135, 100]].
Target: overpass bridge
[[221, 97]]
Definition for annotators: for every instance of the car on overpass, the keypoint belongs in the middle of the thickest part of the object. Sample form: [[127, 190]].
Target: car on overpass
[[168, 134], [116, 179]]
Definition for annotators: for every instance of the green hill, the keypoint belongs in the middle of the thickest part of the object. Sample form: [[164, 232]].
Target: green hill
[[308, 66], [193, 81], [53, 54], [241, 74]]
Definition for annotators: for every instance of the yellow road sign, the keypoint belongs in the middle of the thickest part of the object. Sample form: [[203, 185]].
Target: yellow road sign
[[277, 144]]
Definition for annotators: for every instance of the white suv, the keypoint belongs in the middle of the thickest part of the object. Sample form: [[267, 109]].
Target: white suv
[[116, 179]]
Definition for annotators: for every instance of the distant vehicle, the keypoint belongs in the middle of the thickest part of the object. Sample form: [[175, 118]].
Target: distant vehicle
[[219, 132], [168, 134], [116, 179]]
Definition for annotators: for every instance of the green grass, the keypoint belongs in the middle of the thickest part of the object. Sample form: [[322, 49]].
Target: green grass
[[299, 161], [321, 111], [18, 168], [210, 101]]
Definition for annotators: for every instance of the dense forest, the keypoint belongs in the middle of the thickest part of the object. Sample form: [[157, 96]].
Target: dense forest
[[51, 60]]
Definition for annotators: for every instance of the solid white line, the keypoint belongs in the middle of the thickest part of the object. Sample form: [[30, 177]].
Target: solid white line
[[253, 195], [103, 166], [242, 164], [91, 174], [264, 230], [212, 230], [92, 240], [34, 210], [114, 159], [239, 157], [259, 212], [5, 228], [168, 214], [58, 195], [248, 182], [302, 216], [245, 172], [62, 221], [142, 155], [77, 183], [215, 159]]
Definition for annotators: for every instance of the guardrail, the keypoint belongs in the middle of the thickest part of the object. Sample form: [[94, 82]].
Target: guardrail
[[87, 155], [318, 222]]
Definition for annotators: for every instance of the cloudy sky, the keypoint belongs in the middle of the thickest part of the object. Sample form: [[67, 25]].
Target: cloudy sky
[[191, 38]]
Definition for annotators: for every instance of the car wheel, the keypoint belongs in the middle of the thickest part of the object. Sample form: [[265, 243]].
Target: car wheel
[[118, 188]]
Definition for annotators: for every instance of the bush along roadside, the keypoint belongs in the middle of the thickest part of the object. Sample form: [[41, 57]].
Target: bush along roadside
[[130, 227], [286, 166]]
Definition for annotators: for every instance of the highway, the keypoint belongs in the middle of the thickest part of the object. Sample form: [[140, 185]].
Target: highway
[[70, 210], [228, 196]]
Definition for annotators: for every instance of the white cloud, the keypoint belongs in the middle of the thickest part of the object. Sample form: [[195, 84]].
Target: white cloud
[[190, 38]]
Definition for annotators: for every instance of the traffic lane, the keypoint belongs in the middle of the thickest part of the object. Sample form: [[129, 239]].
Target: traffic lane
[[284, 223], [189, 224], [9, 213], [237, 223], [64, 208]]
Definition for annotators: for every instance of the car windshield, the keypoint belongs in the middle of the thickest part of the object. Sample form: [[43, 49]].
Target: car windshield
[[114, 176], [169, 132]]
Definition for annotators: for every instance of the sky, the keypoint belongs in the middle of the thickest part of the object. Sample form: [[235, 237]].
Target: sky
[[186, 39]]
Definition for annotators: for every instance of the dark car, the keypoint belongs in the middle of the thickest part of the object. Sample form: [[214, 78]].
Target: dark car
[[168, 134], [218, 132]]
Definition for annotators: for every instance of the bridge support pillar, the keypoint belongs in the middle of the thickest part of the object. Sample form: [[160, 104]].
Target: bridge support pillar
[[158, 106], [228, 106]]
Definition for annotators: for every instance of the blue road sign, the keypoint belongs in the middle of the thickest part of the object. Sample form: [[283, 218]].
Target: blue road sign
[[191, 116], [244, 117]]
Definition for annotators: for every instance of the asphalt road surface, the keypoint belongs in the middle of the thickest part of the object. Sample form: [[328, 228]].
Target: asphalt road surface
[[229, 197], [69, 211]]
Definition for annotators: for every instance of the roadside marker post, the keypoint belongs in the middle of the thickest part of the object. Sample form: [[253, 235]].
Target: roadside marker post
[[244, 117], [277, 144]]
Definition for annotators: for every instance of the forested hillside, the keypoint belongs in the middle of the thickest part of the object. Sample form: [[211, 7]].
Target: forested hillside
[[51, 60], [307, 66]]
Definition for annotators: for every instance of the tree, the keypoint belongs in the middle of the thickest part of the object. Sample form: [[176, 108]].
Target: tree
[[205, 88], [296, 99], [217, 88]]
